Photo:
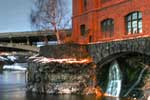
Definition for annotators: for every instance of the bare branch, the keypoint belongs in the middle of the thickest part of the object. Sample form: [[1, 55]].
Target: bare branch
[[50, 15]]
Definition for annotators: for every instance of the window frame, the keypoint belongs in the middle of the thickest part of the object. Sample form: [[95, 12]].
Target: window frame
[[107, 28], [130, 19]]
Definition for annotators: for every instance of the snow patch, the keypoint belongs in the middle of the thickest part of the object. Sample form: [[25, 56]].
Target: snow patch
[[16, 66]]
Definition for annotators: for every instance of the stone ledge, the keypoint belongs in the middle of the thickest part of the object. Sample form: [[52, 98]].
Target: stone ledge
[[64, 51]]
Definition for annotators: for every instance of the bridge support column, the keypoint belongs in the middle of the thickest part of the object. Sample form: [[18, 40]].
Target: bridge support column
[[28, 41]]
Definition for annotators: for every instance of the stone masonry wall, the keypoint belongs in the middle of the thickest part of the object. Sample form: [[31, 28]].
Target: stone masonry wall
[[104, 51], [59, 78], [48, 73]]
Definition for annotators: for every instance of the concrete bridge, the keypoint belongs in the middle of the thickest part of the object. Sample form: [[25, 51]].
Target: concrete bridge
[[27, 41], [30, 37], [26, 37], [105, 52], [18, 47], [23, 41]]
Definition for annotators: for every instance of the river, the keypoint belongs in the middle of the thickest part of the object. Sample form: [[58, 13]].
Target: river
[[12, 87]]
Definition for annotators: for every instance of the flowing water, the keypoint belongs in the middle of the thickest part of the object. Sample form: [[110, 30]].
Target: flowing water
[[12, 87], [115, 79]]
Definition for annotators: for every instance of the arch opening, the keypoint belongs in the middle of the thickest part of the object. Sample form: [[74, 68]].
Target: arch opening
[[132, 70]]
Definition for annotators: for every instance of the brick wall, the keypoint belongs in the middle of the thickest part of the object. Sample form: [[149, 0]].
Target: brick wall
[[98, 11]]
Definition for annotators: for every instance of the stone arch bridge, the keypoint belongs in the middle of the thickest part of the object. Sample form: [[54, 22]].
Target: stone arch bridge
[[108, 51], [132, 56]]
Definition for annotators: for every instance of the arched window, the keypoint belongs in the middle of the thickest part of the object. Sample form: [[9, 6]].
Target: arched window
[[134, 23], [107, 27]]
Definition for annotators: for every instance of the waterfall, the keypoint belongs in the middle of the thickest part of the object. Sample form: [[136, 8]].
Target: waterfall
[[115, 80]]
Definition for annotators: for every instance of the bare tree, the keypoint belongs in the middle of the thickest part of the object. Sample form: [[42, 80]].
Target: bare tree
[[51, 15]]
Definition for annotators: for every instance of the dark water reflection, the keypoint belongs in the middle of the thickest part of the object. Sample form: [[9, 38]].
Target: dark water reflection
[[12, 87]]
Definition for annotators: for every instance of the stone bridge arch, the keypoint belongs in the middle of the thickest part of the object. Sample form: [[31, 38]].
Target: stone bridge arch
[[105, 53], [100, 52]]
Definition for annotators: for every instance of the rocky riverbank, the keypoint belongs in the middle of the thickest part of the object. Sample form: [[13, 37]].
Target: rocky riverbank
[[64, 69], [57, 77]]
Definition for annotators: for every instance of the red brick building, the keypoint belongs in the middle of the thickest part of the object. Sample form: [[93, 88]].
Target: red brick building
[[107, 20]]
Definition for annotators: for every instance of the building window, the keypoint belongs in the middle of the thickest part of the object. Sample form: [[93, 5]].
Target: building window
[[134, 23], [84, 4], [82, 29], [107, 27]]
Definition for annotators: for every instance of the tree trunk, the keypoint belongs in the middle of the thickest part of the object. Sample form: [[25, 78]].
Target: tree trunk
[[58, 37], [57, 34]]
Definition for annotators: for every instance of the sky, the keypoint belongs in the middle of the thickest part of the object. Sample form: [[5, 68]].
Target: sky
[[15, 15]]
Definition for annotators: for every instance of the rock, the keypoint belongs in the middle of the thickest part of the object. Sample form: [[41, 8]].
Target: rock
[[58, 78]]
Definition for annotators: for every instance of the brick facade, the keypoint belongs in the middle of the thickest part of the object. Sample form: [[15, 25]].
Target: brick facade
[[92, 12]]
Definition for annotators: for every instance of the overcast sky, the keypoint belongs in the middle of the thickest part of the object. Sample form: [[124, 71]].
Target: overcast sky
[[14, 15]]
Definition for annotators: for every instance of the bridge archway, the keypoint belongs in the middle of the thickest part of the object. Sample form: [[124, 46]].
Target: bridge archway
[[133, 72], [110, 58], [99, 51], [105, 53]]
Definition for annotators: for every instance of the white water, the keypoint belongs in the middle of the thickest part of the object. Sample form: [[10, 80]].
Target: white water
[[115, 80], [16, 66]]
